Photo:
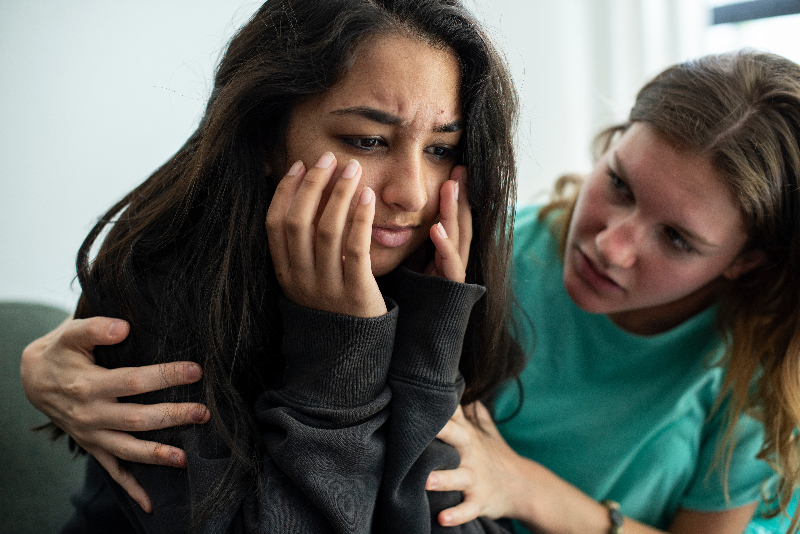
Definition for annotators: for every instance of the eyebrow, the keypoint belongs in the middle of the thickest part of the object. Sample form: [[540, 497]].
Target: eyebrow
[[619, 169], [382, 117]]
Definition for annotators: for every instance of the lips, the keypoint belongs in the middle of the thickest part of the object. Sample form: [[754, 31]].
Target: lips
[[593, 276], [392, 236]]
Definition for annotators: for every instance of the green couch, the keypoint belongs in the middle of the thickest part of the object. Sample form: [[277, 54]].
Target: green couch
[[36, 475]]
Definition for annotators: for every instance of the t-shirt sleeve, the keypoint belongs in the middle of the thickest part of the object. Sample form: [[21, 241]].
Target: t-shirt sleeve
[[746, 473]]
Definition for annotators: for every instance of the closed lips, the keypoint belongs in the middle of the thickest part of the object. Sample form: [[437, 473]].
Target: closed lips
[[392, 236]]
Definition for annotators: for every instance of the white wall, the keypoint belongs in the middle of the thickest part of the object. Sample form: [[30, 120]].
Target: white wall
[[95, 95]]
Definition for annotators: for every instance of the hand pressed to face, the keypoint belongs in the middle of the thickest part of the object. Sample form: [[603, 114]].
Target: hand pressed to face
[[318, 267], [453, 235]]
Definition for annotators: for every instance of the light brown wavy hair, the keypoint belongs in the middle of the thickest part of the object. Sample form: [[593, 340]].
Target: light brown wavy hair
[[742, 111]]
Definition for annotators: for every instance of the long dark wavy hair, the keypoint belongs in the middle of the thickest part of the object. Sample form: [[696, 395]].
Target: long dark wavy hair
[[186, 259]]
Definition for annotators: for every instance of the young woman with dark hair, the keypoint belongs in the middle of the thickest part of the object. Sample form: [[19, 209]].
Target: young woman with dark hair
[[333, 340]]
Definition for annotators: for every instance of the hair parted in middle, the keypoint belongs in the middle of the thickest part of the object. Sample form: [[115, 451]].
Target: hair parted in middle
[[186, 258]]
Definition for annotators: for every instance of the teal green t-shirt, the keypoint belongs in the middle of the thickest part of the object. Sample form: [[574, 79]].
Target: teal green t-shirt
[[621, 416]]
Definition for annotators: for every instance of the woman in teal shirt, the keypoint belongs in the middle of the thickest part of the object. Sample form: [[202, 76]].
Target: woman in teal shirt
[[688, 226], [658, 307]]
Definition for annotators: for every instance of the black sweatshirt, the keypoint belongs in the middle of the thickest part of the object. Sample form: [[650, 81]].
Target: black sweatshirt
[[349, 436]]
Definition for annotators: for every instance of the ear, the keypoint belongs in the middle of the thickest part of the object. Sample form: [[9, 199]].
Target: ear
[[746, 262]]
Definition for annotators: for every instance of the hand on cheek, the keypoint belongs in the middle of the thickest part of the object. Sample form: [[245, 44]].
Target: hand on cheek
[[452, 235], [308, 257]]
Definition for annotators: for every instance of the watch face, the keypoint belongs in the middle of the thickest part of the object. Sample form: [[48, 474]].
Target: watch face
[[616, 517]]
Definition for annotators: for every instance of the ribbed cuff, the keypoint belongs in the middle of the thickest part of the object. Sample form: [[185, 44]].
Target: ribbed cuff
[[432, 321], [336, 360]]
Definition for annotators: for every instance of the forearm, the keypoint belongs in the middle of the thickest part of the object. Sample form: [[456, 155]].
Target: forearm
[[546, 503], [324, 429]]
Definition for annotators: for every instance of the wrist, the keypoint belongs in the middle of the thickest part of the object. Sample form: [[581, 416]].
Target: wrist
[[614, 516], [553, 505]]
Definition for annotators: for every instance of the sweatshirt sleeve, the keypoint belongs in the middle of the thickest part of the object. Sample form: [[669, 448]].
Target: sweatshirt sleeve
[[323, 437], [426, 389]]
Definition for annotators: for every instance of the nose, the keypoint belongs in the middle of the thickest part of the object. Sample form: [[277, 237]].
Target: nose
[[405, 186], [617, 244]]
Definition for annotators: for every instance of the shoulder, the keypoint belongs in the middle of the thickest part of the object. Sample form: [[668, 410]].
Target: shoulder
[[535, 241]]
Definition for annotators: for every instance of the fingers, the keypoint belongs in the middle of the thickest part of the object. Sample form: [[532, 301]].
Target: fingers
[[125, 447], [454, 434], [321, 256], [129, 417], [124, 478], [276, 219], [358, 265], [126, 381], [450, 480], [301, 216], [464, 213], [448, 261], [448, 205], [85, 334], [451, 240], [458, 515], [331, 227]]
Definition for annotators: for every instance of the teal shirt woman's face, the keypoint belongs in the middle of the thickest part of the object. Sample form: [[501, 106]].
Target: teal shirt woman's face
[[654, 234]]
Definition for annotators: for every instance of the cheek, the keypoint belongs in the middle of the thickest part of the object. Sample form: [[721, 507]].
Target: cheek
[[674, 280], [583, 217]]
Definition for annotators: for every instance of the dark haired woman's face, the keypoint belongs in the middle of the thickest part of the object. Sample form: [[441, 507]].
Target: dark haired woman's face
[[398, 113]]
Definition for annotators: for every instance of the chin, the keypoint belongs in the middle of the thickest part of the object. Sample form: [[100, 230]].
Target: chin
[[382, 266], [582, 297]]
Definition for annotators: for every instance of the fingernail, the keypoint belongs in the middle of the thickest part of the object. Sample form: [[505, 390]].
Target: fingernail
[[146, 506], [114, 329], [176, 459], [194, 372], [351, 169], [441, 230], [365, 197], [199, 414], [447, 519], [295, 168], [456, 193], [325, 161], [433, 480]]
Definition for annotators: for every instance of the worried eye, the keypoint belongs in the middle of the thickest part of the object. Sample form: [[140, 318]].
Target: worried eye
[[363, 143], [441, 152], [617, 183], [678, 240]]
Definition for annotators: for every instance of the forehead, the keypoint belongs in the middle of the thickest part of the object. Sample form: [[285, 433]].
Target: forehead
[[680, 187], [402, 76]]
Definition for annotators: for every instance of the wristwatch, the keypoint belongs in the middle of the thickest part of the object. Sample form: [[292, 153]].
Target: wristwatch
[[614, 515]]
